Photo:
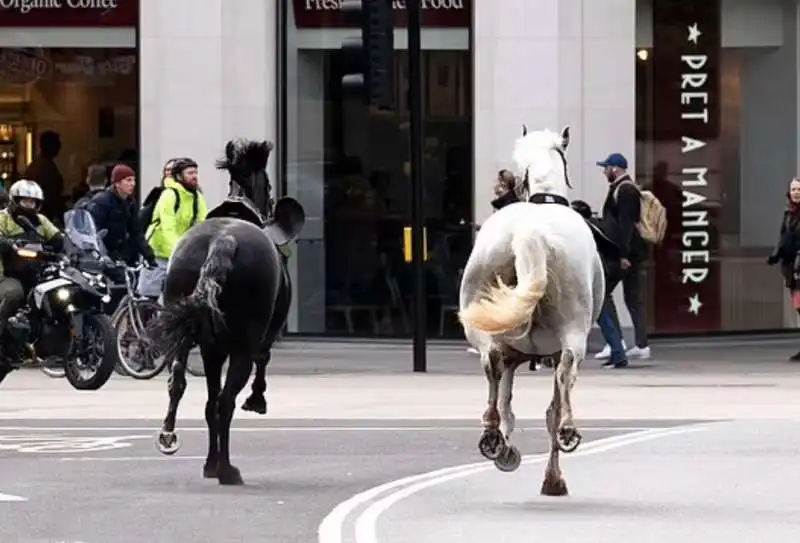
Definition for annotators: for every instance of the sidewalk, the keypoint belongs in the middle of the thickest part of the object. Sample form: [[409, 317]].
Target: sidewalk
[[371, 382]]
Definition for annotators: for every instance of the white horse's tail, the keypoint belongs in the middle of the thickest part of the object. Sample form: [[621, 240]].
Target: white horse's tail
[[504, 308]]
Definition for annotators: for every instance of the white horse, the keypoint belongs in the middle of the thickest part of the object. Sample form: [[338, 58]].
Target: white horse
[[533, 285]]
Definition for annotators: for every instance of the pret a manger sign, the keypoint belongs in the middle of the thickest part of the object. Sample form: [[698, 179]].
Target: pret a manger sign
[[695, 240], [26, 6]]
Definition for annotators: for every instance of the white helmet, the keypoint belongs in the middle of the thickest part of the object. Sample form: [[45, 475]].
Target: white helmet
[[25, 189]]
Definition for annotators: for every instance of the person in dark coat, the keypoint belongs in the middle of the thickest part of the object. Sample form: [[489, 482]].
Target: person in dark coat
[[787, 250], [621, 213], [114, 210], [96, 181], [504, 190]]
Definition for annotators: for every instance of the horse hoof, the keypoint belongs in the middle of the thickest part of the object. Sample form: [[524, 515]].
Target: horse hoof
[[168, 443], [230, 476], [491, 444], [256, 404], [554, 487], [509, 460], [210, 471], [568, 439]]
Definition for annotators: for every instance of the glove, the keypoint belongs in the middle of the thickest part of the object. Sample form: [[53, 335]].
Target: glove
[[772, 260], [6, 245]]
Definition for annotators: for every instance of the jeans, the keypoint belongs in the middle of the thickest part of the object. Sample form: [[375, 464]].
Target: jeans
[[634, 301], [611, 332], [607, 321]]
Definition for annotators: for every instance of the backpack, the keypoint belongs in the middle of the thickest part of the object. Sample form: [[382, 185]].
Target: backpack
[[149, 206], [652, 223]]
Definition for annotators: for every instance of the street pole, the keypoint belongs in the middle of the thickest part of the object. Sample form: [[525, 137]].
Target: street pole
[[414, 13]]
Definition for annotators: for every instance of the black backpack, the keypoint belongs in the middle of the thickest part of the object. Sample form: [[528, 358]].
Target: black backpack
[[149, 206]]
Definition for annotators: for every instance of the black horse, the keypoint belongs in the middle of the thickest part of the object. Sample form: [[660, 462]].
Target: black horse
[[228, 290]]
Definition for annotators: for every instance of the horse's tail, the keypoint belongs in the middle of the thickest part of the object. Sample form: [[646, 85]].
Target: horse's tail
[[182, 324], [504, 308]]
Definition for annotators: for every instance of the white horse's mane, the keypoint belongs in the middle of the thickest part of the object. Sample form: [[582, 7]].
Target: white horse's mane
[[534, 153]]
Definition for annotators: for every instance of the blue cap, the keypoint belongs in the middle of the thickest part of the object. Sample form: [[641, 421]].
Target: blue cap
[[615, 159]]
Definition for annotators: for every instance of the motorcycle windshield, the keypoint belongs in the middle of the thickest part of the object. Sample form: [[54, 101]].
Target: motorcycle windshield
[[80, 229]]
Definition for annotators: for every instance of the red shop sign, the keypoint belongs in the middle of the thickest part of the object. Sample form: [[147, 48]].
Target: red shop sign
[[435, 13], [68, 13]]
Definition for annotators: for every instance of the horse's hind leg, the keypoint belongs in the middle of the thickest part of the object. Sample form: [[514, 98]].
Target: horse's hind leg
[[491, 442], [167, 441], [213, 360], [572, 354], [553, 484], [239, 369], [256, 402], [510, 457]]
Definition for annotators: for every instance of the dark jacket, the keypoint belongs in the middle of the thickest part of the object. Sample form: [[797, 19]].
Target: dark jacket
[[500, 202], [619, 219], [787, 250], [120, 218], [83, 201]]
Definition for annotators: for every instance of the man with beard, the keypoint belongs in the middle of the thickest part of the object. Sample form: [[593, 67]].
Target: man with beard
[[621, 213]]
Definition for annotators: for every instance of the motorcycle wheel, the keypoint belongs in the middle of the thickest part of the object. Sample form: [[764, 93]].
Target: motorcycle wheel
[[102, 333]]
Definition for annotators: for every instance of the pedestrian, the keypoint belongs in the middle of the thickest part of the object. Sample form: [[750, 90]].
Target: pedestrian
[[96, 181], [114, 210], [787, 249], [621, 214]]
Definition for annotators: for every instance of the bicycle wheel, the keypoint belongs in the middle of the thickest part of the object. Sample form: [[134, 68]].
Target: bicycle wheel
[[137, 355], [122, 310]]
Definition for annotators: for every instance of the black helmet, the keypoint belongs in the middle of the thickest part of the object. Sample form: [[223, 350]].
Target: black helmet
[[181, 164]]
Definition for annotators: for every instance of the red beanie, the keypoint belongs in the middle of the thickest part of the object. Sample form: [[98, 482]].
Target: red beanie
[[120, 172]]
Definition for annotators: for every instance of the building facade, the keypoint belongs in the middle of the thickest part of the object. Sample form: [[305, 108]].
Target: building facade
[[700, 95]]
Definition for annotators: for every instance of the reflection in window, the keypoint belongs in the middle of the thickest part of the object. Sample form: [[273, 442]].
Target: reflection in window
[[86, 97], [356, 282]]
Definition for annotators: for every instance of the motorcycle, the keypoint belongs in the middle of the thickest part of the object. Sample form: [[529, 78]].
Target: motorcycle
[[63, 323]]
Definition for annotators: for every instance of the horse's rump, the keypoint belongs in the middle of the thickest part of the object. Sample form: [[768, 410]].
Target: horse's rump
[[566, 248]]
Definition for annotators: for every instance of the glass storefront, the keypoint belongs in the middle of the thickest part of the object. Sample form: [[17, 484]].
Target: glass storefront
[[348, 164], [81, 88], [717, 140]]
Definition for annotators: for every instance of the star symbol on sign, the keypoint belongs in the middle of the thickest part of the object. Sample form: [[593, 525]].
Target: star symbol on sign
[[695, 304], [694, 33]]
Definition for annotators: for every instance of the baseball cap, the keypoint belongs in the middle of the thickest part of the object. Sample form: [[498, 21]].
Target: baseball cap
[[615, 159]]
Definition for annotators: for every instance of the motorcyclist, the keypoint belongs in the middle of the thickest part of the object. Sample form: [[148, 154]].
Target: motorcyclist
[[25, 202]]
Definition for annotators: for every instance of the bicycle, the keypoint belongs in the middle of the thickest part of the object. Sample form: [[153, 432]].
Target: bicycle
[[138, 357]]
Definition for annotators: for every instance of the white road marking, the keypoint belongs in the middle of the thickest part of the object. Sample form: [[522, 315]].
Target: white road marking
[[332, 527], [129, 458], [11, 498], [38, 443], [155, 428]]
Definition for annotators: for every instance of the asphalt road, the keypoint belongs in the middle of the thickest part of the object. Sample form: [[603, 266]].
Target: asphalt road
[[732, 482], [104, 481]]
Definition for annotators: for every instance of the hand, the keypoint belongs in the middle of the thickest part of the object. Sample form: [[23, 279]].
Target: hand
[[625, 263], [772, 260]]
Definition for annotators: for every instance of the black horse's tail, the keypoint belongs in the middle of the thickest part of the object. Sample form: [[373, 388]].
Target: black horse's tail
[[181, 324]]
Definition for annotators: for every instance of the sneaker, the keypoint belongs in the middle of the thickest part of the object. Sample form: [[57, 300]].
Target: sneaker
[[642, 353], [605, 354], [472, 350], [615, 365]]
